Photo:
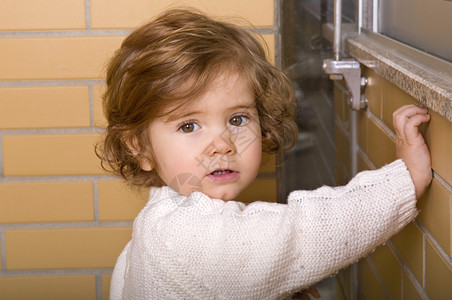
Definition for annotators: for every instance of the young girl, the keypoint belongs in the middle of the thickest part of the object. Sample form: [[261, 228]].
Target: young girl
[[191, 104]]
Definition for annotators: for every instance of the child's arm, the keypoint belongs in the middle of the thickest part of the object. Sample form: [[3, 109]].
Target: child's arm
[[213, 248], [410, 145]]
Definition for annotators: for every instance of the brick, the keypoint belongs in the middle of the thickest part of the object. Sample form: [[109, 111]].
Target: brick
[[360, 294], [390, 270], [341, 176], [262, 189], [374, 92], [99, 118], [410, 244], [117, 201], [435, 213], [68, 287], [438, 274], [409, 290], [269, 40], [339, 100], [343, 148], [124, 15], [340, 291], [47, 58], [57, 248], [26, 202], [344, 278], [393, 98], [58, 107], [368, 282], [341, 107], [380, 146], [362, 163], [52, 154], [106, 279], [438, 136], [361, 130], [42, 14], [268, 163]]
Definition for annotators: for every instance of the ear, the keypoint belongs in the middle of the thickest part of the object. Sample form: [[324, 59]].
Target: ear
[[145, 164]]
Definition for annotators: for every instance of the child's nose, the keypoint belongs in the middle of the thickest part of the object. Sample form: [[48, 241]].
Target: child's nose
[[223, 144]]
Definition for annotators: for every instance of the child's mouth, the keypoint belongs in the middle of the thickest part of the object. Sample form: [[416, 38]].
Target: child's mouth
[[220, 172], [224, 175]]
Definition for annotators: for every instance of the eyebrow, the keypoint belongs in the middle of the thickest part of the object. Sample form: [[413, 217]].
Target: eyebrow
[[180, 113], [174, 115], [243, 106]]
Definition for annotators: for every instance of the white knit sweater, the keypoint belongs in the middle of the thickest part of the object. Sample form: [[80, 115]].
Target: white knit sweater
[[200, 248]]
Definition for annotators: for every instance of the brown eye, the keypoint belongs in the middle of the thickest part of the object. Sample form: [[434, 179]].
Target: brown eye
[[238, 120], [189, 127]]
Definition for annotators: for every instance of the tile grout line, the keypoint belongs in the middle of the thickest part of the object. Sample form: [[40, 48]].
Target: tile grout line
[[67, 33], [343, 129], [91, 106], [438, 247], [98, 286], [444, 183], [63, 178], [381, 124], [96, 200], [379, 279], [99, 32], [57, 83], [2, 172], [88, 14], [55, 272], [366, 158], [2, 249], [52, 130], [407, 270], [71, 224]]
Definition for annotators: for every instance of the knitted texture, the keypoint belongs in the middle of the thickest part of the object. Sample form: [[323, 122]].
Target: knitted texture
[[200, 248]]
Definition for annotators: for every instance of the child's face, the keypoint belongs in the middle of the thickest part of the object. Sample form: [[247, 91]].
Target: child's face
[[212, 144]]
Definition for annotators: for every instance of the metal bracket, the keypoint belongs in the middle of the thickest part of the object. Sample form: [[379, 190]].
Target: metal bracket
[[350, 71]]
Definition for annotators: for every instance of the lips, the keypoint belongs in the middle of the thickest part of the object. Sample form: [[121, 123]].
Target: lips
[[221, 172], [223, 175]]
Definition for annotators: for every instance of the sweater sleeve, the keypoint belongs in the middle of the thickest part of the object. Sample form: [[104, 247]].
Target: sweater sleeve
[[197, 247]]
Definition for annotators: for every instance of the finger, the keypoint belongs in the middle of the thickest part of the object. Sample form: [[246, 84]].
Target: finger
[[404, 108], [411, 130], [398, 110], [403, 114]]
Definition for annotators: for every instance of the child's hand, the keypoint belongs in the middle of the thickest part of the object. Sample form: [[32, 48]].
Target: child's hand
[[410, 145]]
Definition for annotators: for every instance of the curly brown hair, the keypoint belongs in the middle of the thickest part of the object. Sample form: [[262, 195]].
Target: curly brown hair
[[147, 73]]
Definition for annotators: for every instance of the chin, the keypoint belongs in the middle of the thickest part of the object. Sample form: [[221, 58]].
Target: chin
[[223, 195]]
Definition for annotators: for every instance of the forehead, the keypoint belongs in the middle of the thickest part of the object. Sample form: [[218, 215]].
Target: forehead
[[231, 87]]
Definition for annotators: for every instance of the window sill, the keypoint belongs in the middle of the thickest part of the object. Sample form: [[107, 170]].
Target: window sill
[[424, 77]]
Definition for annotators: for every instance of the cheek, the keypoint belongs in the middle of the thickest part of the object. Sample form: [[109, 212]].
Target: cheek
[[256, 153], [250, 148], [250, 140], [173, 161]]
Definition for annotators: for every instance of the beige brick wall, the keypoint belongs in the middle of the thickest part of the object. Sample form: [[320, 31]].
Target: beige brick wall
[[63, 221], [416, 263]]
